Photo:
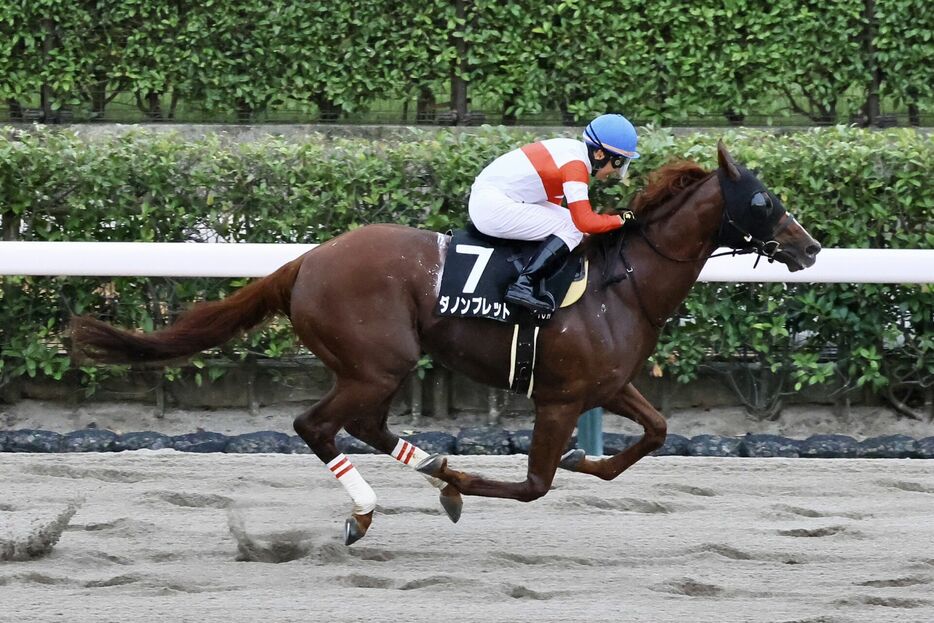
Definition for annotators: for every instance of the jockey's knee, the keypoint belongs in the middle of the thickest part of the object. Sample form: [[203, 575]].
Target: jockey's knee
[[570, 237]]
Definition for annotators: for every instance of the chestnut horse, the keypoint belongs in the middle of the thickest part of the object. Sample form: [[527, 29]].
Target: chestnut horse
[[364, 303]]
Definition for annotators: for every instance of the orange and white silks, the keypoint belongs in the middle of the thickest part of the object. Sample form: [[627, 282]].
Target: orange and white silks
[[519, 195]]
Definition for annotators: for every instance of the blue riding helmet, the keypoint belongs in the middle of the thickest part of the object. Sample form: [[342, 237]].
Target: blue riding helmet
[[614, 134]]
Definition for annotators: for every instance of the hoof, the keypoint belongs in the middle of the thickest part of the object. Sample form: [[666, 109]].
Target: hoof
[[571, 459], [452, 502], [355, 527], [431, 465]]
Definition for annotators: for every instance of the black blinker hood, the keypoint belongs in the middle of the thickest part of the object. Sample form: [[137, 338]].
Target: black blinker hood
[[739, 219]]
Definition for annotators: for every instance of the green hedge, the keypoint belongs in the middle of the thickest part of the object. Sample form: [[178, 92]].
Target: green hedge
[[851, 188], [656, 60]]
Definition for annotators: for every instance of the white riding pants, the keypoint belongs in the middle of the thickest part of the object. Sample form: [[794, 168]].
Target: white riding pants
[[495, 214]]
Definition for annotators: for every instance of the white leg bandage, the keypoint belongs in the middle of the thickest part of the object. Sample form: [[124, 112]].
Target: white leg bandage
[[410, 455], [364, 499]]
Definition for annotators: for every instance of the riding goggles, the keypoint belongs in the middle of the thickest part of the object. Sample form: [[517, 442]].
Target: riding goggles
[[621, 164]]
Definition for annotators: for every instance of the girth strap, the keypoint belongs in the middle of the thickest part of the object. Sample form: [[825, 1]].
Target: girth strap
[[522, 358]]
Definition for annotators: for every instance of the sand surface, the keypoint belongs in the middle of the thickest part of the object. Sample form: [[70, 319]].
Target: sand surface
[[168, 536]]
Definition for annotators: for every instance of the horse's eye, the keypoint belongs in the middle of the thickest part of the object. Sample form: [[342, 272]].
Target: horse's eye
[[762, 202]]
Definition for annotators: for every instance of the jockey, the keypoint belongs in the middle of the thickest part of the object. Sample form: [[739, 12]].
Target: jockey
[[519, 196]]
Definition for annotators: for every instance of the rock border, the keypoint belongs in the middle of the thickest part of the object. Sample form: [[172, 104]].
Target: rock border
[[471, 441]]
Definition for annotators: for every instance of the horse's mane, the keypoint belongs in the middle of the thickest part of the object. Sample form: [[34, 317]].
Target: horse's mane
[[664, 183]]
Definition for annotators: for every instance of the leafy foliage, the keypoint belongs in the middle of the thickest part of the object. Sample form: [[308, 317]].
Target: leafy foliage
[[656, 60]]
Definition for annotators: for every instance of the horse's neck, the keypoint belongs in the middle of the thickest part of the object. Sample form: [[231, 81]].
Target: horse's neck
[[687, 231], [691, 222]]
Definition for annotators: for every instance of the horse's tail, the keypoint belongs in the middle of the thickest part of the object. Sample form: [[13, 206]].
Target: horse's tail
[[205, 325]]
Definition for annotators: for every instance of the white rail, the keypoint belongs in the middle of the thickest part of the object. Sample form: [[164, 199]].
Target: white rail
[[127, 259]]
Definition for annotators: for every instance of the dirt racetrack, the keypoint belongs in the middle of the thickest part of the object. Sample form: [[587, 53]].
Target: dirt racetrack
[[169, 536]]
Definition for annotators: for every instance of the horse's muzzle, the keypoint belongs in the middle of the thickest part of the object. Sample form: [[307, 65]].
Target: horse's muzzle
[[798, 249], [798, 261]]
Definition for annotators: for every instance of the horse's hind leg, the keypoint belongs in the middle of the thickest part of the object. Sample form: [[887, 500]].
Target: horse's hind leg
[[632, 404], [553, 426], [318, 427], [377, 434]]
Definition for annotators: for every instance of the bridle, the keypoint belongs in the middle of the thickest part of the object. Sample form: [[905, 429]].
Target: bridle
[[763, 248]]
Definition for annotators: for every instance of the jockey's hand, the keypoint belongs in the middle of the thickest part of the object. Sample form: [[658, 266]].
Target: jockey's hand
[[626, 216]]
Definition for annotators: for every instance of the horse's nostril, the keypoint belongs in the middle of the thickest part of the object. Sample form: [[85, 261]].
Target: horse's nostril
[[813, 249]]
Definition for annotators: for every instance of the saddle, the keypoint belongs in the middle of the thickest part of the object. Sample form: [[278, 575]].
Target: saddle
[[477, 271], [479, 268]]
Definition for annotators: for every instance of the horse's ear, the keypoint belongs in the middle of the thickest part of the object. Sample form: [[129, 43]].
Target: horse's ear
[[725, 160]]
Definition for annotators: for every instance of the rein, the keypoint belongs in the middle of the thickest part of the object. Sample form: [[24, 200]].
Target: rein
[[619, 251], [760, 247]]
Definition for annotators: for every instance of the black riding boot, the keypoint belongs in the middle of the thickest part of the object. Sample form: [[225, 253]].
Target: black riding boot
[[525, 291]]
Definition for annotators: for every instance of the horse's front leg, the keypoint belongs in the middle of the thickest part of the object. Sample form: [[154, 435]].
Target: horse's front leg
[[629, 403], [553, 427]]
